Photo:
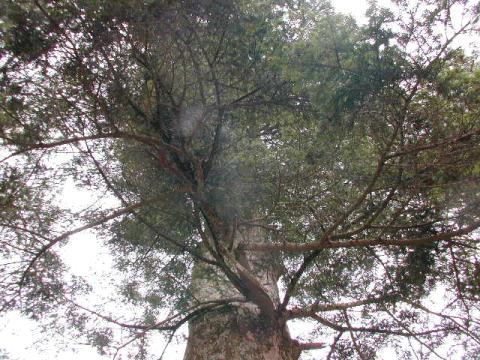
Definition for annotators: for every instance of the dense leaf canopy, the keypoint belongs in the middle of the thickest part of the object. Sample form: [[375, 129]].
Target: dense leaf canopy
[[356, 149]]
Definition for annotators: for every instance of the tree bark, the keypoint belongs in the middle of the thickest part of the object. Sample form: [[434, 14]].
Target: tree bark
[[238, 331], [234, 333]]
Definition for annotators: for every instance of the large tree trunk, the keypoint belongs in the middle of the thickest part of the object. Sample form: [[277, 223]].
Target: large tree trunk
[[235, 334], [238, 331]]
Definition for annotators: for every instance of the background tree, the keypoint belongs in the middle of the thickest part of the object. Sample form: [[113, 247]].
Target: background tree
[[250, 146]]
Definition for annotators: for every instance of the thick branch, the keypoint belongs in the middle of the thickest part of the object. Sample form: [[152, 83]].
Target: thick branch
[[318, 245], [311, 346]]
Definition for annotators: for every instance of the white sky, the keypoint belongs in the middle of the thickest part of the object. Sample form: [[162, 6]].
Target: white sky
[[22, 339], [356, 8]]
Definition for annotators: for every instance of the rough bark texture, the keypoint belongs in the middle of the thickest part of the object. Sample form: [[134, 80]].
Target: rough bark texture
[[238, 331], [237, 334]]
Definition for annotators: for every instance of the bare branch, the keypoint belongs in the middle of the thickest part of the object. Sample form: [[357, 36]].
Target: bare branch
[[311, 346]]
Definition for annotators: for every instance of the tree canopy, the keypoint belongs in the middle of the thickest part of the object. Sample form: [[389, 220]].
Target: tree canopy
[[353, 149]]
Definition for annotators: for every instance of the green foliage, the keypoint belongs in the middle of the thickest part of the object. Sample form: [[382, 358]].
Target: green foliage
[[205, 118]]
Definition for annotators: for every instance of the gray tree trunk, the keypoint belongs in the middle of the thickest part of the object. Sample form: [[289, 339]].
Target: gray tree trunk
[[237, 331], [234, 334]]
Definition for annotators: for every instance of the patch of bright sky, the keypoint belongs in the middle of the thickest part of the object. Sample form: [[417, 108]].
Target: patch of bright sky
[[355, 8]]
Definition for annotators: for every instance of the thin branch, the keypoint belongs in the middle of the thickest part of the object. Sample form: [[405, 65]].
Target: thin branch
[[352, 336], [77, 139], [20, 228], [414, 335], [310, 310], [67, 234], [420, 148], [457, 325], [163, 325], [191, 315], [326, 235], [334, 345], [153, 228], [380, 330]]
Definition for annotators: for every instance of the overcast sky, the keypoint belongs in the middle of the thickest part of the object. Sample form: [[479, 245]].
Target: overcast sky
[[21, 339]]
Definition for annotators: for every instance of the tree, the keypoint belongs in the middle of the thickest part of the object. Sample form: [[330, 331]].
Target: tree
[[249, 146]]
